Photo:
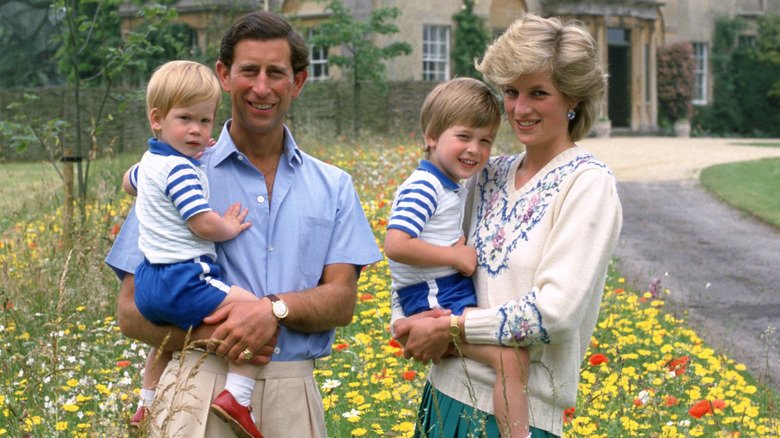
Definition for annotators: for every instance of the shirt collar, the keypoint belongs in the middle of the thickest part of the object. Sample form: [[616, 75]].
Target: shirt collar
[[159, 148], [226, 148], [435, 171]]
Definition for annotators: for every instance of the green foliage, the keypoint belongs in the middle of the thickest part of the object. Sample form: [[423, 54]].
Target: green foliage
[[26, 31], [90, 54], [361, 59], [471, 40], [768, 45], [675, 81], [745, 97]]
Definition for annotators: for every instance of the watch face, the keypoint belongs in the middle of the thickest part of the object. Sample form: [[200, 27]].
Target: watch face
[[280, 309], [455, 330]]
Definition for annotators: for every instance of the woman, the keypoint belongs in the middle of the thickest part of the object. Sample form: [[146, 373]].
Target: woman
[[544, 223]]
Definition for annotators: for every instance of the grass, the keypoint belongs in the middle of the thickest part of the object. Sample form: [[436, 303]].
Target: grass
[[66, 370], [751, 186], [24, 183]]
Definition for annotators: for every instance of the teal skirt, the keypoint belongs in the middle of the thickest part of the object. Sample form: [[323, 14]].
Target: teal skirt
[[441, 416]]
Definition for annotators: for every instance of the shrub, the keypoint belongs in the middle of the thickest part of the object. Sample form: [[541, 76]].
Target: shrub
[[675, 81]]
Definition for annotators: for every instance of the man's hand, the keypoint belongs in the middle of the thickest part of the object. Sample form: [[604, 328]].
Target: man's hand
[[245, 325]]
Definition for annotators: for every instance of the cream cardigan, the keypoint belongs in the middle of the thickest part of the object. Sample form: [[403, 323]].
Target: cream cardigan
[[543, 252]]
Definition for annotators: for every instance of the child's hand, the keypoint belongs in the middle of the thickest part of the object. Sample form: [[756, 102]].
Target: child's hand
[[234, 217], [211, 143], [466, 257]]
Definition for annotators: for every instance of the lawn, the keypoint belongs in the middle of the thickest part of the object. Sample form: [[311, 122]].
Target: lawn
[[751, 186], [68, 371]]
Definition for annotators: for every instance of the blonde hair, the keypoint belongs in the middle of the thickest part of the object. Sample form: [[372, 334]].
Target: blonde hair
[[181, 83], [461, 101], [566, 52]]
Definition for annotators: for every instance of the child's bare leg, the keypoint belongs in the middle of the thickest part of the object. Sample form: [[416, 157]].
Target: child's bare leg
[[155, 364], [241, 377], [510, 402]]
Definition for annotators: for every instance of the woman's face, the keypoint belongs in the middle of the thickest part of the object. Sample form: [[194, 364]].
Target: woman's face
[[537, 111]]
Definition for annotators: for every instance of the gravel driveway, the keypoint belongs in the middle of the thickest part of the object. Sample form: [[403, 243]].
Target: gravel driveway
[[720, 265]]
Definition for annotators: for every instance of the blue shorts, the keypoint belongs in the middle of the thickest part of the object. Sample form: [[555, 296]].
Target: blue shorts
[[180, 293], [454, 292]]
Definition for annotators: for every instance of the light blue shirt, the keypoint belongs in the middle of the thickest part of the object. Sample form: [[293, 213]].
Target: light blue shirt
[[315, 219]]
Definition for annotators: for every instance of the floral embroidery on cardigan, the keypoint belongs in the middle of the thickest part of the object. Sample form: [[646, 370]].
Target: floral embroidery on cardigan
[[521, 321], [501, 224]]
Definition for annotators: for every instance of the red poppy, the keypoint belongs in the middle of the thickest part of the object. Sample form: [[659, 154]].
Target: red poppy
[[382, 203], [122, 363], [409, 375], [704, 407], [366, 297], [340, 347], [568, 414], [671, 400], [678, 366], [618, 290], [393, 343], [114, 231], [597, 359]]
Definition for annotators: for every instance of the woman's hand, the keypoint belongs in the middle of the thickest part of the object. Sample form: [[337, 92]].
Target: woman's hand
[[426, 336]]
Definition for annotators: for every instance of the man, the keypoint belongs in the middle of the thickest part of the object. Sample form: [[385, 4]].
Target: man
[[303, 253]]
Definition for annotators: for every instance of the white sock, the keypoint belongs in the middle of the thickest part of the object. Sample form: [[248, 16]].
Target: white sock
[[240, 387], [147, 397]]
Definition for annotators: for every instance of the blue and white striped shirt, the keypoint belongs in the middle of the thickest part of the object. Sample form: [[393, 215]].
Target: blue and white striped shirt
[[428, 206], [171, 188]]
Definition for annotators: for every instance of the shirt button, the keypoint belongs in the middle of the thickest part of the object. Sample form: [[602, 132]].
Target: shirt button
[[260, 199], [270, 248], [240, 158], [277, 350]]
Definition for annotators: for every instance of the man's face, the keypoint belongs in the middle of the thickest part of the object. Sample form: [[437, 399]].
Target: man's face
[[261, 84]]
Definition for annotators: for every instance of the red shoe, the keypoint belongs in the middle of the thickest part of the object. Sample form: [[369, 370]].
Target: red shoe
[[238, 417], [138, 418]]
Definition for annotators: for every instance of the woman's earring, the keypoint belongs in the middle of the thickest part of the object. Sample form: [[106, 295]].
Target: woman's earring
[[571, 114]]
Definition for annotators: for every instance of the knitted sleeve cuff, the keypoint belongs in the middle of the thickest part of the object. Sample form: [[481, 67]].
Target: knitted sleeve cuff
[[481, 327]]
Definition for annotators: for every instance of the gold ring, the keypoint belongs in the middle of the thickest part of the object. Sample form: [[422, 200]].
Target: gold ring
[[247, 354]]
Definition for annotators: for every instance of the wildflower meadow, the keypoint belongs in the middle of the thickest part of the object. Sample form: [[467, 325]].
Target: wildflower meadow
[[67, 371]]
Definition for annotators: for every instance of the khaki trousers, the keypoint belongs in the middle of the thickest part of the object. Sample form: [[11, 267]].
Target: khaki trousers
[[286, 401]]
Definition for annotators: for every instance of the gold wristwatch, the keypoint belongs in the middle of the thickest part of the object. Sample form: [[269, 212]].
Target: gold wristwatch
[[279, 307], [454, 329]]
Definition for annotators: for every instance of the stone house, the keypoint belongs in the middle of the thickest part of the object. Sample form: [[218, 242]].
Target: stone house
[[628, 33]]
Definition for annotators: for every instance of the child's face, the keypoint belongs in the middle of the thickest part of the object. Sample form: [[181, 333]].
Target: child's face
[[460, 151], [186, 128]]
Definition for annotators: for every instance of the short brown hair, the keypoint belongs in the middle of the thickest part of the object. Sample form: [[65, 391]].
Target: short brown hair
[[567, 52], [460, 101], [181, 83], [264, 26]]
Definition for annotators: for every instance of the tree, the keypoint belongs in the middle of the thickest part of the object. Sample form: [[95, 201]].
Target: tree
[[471, 40], [768, 45], [676, 80], [90, 55], [359, 57]]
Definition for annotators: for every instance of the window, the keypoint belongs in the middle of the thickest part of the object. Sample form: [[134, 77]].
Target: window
[[436, 53], [747, 41], [318, 59], [700, 70]]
